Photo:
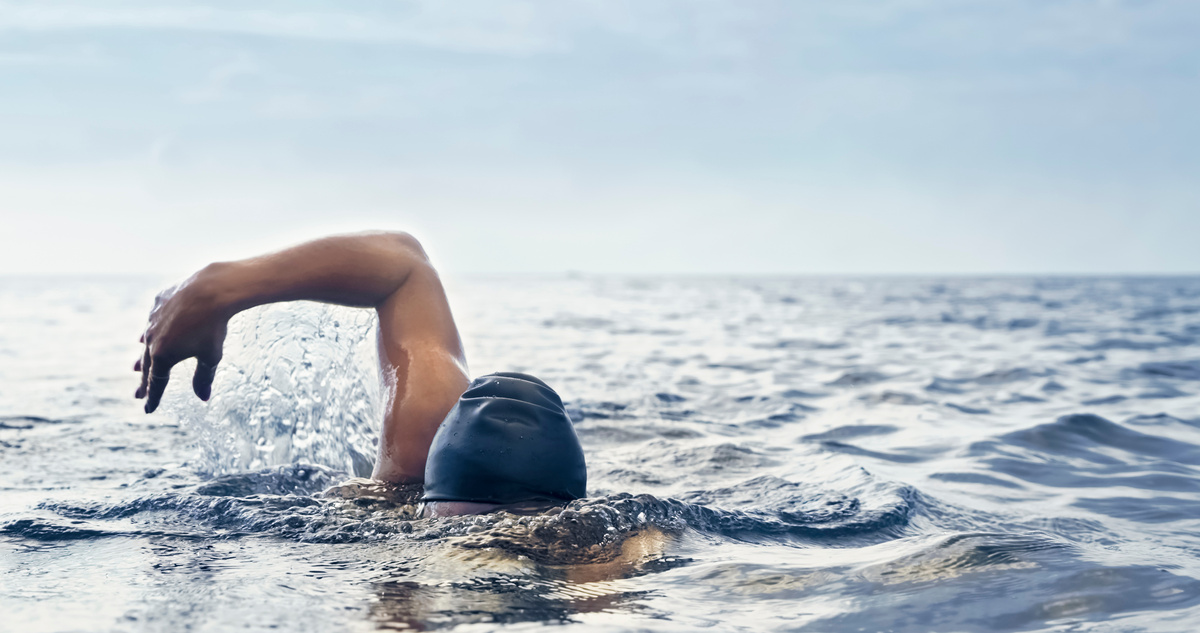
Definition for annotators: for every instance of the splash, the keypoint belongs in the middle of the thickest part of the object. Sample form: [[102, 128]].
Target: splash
[[298, 383]]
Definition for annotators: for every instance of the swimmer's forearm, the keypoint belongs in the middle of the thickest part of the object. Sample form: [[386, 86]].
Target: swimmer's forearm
[[355, 270]]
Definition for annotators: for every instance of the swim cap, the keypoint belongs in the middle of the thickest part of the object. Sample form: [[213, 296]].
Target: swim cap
[[508, 439]]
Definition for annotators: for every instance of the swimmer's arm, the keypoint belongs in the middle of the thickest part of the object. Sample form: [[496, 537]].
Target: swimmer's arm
[[420, 351], [362, 270]]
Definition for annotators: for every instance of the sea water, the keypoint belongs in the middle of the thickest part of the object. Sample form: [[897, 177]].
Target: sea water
[[814, 454]]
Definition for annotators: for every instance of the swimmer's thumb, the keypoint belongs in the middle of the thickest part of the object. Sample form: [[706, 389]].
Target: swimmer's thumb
[[202, 381]]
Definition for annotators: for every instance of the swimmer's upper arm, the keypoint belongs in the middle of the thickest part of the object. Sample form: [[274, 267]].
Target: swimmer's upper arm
[[423, 365]]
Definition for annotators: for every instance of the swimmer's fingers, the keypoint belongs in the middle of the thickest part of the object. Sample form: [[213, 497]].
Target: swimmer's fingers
[[143, 366], [207, 361], [202, 381], [160, 373]]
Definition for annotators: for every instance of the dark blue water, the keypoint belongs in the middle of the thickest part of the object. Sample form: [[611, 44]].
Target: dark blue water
[[853, 454]]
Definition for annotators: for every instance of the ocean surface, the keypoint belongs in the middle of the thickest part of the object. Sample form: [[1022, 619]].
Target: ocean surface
[[765, 454]]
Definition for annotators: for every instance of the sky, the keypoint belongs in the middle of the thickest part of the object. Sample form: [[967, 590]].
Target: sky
[[614, 136]]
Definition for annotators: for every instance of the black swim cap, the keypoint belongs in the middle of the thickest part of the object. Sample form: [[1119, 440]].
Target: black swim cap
[[508, 439]]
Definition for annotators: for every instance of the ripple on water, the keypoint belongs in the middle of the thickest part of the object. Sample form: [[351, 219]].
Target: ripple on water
[[1086, 436], [1088, 451], [759, 509], [1181, 370]]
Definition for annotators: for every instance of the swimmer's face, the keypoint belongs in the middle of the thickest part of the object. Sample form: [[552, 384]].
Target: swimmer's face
[[433, 509]]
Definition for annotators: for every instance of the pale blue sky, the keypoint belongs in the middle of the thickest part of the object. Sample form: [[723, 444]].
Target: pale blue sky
[[894, 136]]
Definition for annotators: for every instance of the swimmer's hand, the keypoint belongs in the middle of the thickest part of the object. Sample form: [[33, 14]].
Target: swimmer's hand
[[188, 321]]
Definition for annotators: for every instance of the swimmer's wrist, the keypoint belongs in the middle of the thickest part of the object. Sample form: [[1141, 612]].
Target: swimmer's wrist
[[220, 289]]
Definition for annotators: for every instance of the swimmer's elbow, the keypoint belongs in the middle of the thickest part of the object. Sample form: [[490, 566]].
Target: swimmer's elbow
[[399, 256], [407, 244], [409, 265]]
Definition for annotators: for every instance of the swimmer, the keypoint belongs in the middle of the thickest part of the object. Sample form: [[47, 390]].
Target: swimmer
[[500, 442]]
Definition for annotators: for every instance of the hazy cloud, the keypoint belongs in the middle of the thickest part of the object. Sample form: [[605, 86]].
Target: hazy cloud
[[854, 135]]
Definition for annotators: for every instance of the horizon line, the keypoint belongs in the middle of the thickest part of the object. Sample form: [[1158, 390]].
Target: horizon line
[[569, 274]]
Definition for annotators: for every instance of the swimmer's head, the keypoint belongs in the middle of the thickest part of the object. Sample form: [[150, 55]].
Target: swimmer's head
[[507, 443]]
